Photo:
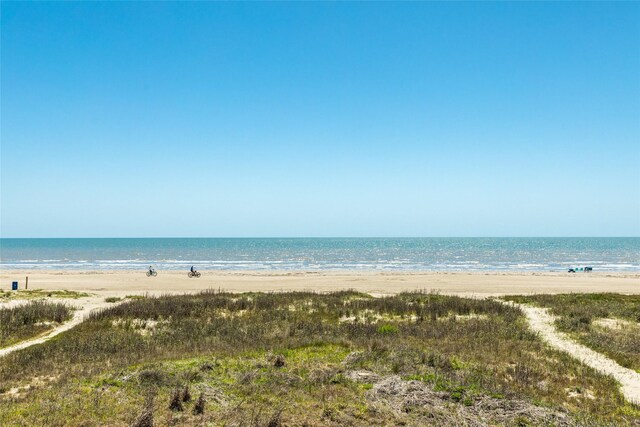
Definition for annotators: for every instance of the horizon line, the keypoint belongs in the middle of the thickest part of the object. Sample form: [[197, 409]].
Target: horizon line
[[327, 237]]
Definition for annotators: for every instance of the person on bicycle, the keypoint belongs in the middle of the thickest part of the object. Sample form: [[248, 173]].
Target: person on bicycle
[[193, 270], [150, 269]]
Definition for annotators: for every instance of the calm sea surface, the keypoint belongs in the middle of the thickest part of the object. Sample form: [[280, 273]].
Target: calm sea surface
[[409, 254]]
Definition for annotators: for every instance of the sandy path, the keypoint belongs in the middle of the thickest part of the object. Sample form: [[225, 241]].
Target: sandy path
[[14, 303], [542, 322], [85, 306]]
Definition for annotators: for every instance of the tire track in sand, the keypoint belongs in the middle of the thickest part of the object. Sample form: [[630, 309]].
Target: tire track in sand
[[542, 322]]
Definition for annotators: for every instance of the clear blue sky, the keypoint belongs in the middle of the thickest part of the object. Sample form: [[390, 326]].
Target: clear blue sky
[[308, 119]]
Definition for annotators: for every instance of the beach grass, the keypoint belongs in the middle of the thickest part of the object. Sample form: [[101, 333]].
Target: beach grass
[[30, 320], [301, 358]]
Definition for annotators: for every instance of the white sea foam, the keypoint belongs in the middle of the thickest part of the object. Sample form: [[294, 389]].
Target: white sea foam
[[328, 254]]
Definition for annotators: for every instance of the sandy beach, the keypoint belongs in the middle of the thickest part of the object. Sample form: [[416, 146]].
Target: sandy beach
[[120, 283]]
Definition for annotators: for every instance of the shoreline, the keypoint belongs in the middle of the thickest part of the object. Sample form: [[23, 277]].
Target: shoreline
[[479, 284]]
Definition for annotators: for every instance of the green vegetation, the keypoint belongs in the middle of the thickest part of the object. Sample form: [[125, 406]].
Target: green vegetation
[[39, 293], [607, 323], [130, 297], [30, 320], [304, 359]]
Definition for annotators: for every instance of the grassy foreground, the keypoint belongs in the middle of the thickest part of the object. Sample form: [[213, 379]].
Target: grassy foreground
[[607, 323], [335, 359], [30, 320]]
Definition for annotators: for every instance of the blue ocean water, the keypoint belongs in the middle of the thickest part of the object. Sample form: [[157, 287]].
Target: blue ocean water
[[405, 254]]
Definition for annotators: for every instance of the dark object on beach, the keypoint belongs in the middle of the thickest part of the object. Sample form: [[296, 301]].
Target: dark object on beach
[[198, 409], [194, 274], [186, 395], [176, 404], [582, 269], [279, 361]]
